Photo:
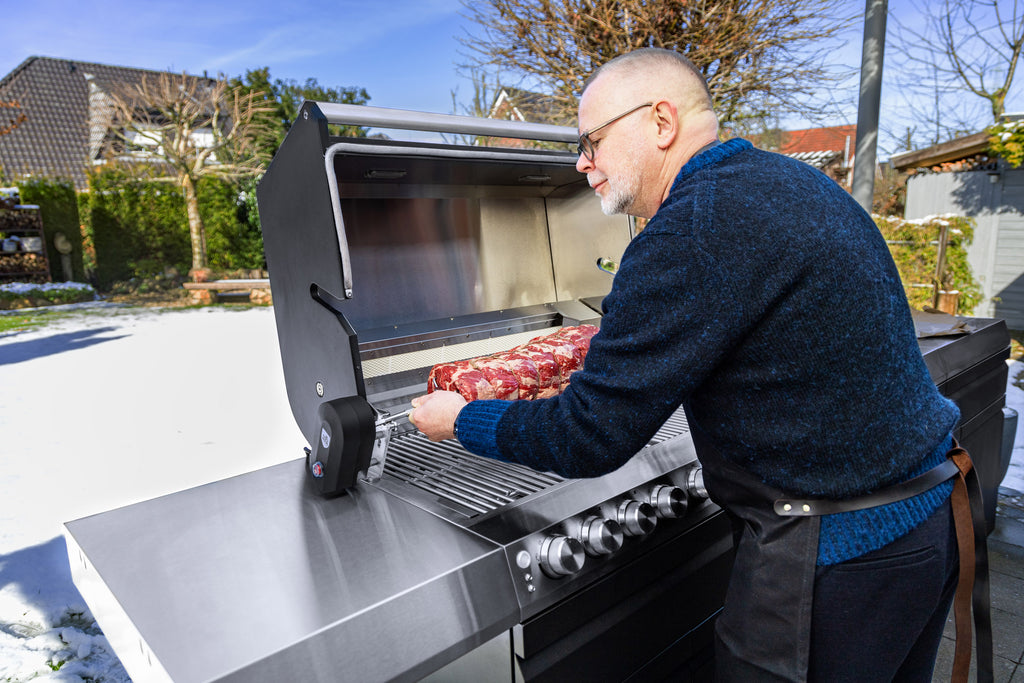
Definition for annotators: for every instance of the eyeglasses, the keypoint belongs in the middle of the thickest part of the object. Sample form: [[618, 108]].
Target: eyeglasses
[[586, 146]]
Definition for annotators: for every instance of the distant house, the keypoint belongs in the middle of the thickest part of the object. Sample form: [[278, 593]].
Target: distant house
[[959, 177], [513, 104], [828, 149], [67, 110]]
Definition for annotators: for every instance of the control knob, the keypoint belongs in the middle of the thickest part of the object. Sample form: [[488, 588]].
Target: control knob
[[636, 518], [600, 536], [561, 556], [695, 483], [668, 501]]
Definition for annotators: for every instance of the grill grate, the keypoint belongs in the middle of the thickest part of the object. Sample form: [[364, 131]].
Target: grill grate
[[674, 426], [446, 470], [473, 484]]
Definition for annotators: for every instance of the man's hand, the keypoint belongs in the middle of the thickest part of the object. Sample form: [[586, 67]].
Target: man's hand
[[435, 414]]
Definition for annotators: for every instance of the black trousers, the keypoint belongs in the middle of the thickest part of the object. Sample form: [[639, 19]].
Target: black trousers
[[880, 616]]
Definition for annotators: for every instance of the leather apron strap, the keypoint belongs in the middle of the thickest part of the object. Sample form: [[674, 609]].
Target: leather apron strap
[[969, 520]]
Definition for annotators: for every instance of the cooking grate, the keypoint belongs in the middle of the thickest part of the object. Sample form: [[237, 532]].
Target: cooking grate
[[674, 426], [446, 470], [475, 485]]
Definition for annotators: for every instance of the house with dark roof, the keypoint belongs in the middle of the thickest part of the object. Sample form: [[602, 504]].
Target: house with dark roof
[[66, 110], [961, 177]]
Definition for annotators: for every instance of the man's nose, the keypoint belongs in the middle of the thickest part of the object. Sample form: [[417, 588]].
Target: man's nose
[[584, 165]]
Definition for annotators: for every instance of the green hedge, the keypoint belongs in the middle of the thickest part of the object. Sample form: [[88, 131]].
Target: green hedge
[[58, 205], [27, 295], [914, 247], [138, 226], [234, 240]]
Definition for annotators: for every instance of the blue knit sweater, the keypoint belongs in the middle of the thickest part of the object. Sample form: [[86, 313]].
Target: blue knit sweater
[[763, 299]]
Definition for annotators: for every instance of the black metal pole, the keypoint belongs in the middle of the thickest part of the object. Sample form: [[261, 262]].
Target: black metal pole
[[870, 102]]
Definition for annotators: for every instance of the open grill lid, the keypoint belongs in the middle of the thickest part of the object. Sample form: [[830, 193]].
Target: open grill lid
[[365, 236]]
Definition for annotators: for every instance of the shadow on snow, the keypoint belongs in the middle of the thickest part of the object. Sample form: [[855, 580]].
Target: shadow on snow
[[19, 352]]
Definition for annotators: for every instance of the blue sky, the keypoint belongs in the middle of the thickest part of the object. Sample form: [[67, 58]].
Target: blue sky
[[402, 51]]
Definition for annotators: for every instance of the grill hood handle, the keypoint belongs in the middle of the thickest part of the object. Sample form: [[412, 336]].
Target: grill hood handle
[[382, 117]]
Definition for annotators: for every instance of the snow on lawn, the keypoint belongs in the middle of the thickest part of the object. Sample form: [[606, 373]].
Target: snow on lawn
[[108, 407]]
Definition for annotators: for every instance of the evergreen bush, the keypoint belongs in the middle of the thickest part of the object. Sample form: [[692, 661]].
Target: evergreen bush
[[914, 245], [28, 295], [1006, 140], [58, 205], [137, 226]]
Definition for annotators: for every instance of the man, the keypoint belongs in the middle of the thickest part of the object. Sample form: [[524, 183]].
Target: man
[[764, 300]]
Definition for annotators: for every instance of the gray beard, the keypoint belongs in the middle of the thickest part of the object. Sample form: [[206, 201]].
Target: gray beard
[[623, 191], [616, 202]]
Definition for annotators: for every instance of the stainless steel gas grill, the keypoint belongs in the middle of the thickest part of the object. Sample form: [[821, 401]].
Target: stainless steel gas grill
[[382, 555]]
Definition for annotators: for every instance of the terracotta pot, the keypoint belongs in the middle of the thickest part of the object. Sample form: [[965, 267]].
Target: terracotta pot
[[948, 301], [200, 274]]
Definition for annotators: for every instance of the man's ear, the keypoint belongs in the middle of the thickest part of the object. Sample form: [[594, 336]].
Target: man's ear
[[666, 117]]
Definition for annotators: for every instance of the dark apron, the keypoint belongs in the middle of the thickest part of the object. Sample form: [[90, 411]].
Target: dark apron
[[764, 631], [762, 599]]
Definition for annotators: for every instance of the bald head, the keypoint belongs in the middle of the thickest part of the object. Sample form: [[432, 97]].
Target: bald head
[[655, 73]]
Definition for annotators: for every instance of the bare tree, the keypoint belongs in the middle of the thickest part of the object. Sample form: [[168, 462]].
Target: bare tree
[[480, 105], [760, 57], [11, 116], [954, 62], [194, 127]]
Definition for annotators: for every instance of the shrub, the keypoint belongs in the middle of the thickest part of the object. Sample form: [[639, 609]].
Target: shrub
[[914, 246], [137, 227], [1006, 140], [58, 205], [233, 237], [26, 294]]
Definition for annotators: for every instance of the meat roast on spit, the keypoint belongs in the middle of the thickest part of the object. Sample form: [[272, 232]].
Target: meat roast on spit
[[538, 369]]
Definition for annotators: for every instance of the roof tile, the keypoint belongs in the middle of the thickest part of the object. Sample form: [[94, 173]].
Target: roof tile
[[834, 139]]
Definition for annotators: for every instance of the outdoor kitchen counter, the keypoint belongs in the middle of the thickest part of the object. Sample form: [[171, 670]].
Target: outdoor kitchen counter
[[257, 578]]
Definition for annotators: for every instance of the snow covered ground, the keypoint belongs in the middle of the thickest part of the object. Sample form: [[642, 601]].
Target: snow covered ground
[[112, 406], [106, 408]]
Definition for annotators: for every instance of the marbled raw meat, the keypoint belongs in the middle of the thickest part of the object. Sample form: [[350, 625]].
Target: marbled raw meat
[[499, 375], [579, 335], [462, 377], [568, 357], [539, 369], [525, 371], [440, 378], [549, 376]]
